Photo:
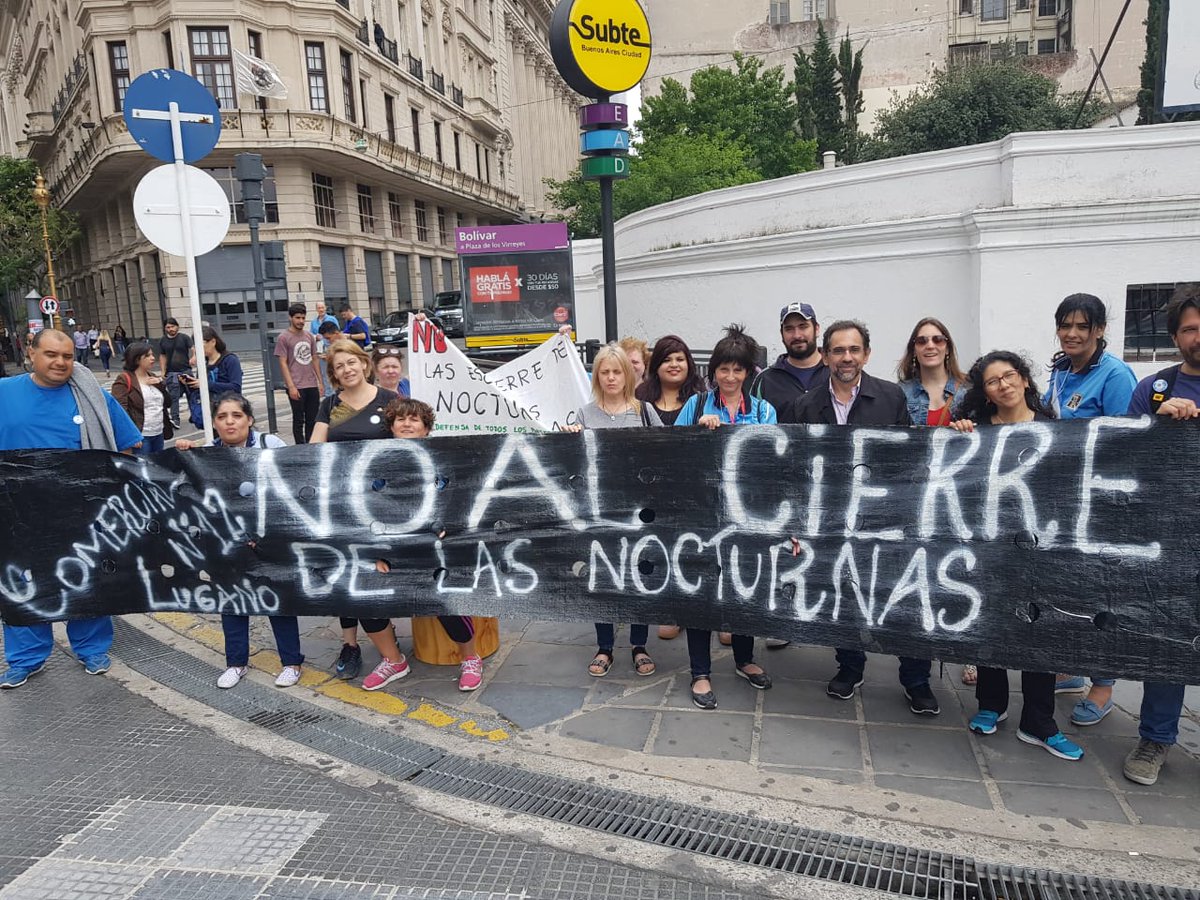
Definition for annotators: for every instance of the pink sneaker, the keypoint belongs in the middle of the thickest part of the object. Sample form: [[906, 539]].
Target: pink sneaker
[[385, 673], [470, 676]]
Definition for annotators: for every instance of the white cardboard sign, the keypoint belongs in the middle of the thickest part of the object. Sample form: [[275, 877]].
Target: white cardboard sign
[[539, 391]]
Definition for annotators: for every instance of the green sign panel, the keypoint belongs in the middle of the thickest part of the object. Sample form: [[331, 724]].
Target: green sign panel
[[605, 167]]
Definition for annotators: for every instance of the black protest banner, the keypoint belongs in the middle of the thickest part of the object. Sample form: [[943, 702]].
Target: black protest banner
[[1054, 547]]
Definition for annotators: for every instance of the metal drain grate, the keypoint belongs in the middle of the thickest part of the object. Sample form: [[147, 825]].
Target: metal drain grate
[[891, 868]]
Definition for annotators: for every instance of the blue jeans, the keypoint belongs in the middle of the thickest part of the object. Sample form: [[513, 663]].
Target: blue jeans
[[28, 646], [638, 635], [1162, 705], [1103, 682], [913, 672], [151, 445], [700, 651], [174, 390], [237, 639]]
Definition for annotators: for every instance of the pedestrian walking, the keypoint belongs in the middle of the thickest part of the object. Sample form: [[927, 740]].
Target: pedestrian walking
[[614, 405], [120, 341], [176, 357], [849, 396], [59, 406], [1002, 392], [82, 345], [143, 395], [297, 352], [104, 346], [233, 422], [1087, 381], [729, 367], [356, 413]]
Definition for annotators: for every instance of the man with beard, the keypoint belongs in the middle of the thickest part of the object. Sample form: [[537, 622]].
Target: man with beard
[[796, 370], [852, 397], [1174, 392]]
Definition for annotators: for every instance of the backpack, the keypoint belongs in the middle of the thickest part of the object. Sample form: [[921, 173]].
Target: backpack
[[1165, 377]]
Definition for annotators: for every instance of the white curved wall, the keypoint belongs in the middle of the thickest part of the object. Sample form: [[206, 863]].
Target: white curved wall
[[988, 238]]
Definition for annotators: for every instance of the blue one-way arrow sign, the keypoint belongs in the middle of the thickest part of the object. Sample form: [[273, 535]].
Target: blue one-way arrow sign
[[147, 114]]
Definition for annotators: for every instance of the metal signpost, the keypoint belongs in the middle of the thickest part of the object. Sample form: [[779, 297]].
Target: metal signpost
[[601, 48], [179, 208], [250, 171]]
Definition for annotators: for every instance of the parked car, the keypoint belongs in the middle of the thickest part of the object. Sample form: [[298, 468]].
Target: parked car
[[448, 306], [394, 328]]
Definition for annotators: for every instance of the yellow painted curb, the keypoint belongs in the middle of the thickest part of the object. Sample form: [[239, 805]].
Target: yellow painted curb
[[432, 716], [496, 734], [379, 701]]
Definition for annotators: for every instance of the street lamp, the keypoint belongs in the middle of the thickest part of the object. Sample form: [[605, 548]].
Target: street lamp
[[41, 196]]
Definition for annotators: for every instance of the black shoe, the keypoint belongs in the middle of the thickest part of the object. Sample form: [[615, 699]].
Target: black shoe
[[761, 680], [349, 662], [922, 701], [843, 684], [707, 700]]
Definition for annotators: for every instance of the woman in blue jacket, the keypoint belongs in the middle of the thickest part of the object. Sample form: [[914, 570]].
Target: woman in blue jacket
[[1087, 381], [224, 374], [732, 363]]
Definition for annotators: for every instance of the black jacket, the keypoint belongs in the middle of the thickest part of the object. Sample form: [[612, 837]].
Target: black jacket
[[778, 386], [879, 402]]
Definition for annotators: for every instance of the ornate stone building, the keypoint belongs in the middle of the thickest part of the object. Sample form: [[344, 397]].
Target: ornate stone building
[[404, 119]]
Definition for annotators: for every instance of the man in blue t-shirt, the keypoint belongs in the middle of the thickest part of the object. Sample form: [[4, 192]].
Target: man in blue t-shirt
[[41, 412], [355, 327], [1173, 392]]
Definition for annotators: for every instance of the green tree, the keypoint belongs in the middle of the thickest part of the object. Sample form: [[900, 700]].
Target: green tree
[[850, 69], [971, 105], [803, 80], [826, 95], [22, 252]]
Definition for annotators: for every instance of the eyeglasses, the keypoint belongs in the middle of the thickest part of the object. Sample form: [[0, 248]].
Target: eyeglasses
[[937, 340], [389, 351], [1011, 377]]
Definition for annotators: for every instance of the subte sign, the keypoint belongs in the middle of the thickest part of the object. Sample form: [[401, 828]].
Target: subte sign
[[600, 47]]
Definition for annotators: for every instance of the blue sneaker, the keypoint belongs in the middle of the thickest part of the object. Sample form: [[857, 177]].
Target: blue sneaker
[[985, 721], [97, 664], [18, 675], [1073, 685], [1059, 745]]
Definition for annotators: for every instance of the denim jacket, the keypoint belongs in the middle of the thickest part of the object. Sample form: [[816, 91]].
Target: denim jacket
[[918, 398]]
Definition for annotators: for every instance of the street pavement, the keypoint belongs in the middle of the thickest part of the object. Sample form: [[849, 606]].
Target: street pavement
[[867, 767]]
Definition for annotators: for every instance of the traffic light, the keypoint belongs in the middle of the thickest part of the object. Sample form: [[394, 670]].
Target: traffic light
[[250, 171], [274, 263]]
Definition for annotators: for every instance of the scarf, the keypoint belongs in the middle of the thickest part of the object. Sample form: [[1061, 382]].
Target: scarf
[[96, 430]]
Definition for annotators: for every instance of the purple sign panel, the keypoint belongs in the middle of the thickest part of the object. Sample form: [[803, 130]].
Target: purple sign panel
[[603, 114], [512, 238]]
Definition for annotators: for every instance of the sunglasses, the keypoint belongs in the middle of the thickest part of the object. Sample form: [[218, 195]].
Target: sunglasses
[[937, 340], [389, 351]]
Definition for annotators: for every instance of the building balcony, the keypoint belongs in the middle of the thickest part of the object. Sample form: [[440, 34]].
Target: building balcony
[[437, 81], [39, 126], [456, 95], [363, 33], [390, 49], [416, 68], [75, 77], [110, 157], [484, 114]]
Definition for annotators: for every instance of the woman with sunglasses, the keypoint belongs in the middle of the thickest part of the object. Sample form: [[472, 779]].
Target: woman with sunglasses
[[389, 369], [1002, 392], [933, 385]]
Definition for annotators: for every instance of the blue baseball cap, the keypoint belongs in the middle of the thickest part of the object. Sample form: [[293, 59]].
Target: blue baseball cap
[[797, 309]]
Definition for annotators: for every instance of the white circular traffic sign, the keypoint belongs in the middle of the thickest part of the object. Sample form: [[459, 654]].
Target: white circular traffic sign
[[156, 205], [49, 305]]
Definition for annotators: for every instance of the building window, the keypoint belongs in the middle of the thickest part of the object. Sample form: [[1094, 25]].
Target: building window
[[478, 162], [226, 176], [458, 151], [323, 200], [362, 99], [1022, 48], [966, 7], [1047, 8], [347, 70], [389, 116], [1146, 335], [780, 13], [318, 78], [422, 221], [1022, 5], [993, 10], [968, 53], [212, 63], [170, 49], [1047, 45], [443, 234], [812, 10], [254, 43], [118, 60], [366, 209], [487, 165], [416, 130], [396, 213], [437, 140], [461, 220]]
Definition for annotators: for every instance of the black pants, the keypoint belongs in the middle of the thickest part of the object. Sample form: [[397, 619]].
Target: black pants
[[699, 643], [370, 626], [459, 629], [1037, 688], [304, 413]]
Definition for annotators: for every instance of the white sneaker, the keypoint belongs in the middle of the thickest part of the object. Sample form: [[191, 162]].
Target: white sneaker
[[231, 676], [289, 676]]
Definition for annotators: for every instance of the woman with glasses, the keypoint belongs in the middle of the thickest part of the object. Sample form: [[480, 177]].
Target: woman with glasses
[[389, 369], [1087, 381], [1002, 392]]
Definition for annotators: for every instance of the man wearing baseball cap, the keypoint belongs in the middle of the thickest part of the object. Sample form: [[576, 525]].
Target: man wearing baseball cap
[[800, 367]]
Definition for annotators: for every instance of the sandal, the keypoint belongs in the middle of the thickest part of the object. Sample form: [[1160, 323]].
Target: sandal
[[599, 666], [642, 663], [970, 674]]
